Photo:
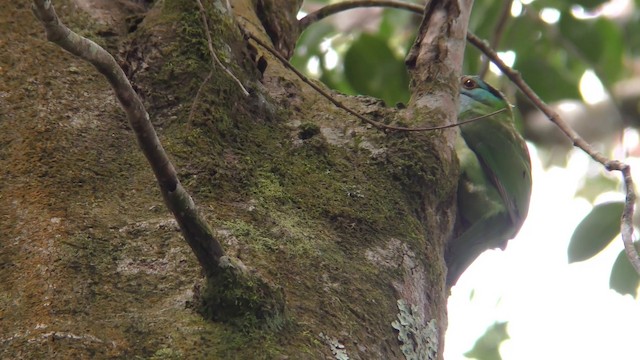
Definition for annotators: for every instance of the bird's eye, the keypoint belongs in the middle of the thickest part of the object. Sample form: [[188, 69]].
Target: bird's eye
[[469, 84]]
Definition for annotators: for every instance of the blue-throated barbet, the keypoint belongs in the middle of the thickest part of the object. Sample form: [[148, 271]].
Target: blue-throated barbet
[[495, 181]]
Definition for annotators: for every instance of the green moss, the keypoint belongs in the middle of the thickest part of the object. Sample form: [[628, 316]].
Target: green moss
[[166, 354], [252, 237], [303, 211], [187, 64], [291, 200], [308, 130], [242, 299], [418, 168]]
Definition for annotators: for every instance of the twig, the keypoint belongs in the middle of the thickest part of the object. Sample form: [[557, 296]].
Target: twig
[[197, 97], [194, 228], [214, 57], [331, 9], [498, 30], [340, 105], [627, 216]]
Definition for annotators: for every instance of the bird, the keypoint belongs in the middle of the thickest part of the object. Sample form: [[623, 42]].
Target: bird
[[494, 188]]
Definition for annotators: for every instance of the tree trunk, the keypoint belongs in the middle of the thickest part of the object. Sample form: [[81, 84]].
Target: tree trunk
[[349, 222]]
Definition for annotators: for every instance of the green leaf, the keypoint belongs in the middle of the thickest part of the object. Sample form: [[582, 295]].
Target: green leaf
[[632, 34], [588, 4], [595, 185], [556, 84], [482, 23], [471, 64], [595, 231], [546, 67], [624, 278], [308, 44], [335, 79], [371, 68], [488, 345], [398, 25], [598, 42]]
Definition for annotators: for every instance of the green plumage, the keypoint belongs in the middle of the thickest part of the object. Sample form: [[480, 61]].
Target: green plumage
[[495, 181]]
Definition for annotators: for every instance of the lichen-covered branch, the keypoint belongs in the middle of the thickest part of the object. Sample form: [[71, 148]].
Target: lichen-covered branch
[[195, 230]]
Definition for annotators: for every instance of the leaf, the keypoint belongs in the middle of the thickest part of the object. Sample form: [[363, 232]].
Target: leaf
[[544, 65], [567, 5], [398, 26], [595, 231], [372, 69], [484, 17], [599, 42], [588, 4], [595, 185], [624, 278], [309, 44], [334, 78], [488, 345], [556, 84], [482, 23], [471, 64], [632, 35]]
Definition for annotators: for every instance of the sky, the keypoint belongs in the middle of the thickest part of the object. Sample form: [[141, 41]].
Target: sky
[[555, 310]]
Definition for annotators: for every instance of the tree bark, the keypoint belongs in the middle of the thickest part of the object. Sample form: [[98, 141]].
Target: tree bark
[[348, 221]]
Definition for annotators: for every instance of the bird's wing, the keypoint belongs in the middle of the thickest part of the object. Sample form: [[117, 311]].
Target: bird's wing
[[504, 157]]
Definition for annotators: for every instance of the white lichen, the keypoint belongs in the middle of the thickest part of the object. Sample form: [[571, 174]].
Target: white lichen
[[337, 349], [418, 341]]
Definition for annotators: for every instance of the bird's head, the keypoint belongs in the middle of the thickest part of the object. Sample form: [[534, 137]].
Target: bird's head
[[476, 89], [474, 93]]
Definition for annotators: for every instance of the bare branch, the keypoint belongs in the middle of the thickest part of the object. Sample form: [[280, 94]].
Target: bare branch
[[195, 230], [331, 9]]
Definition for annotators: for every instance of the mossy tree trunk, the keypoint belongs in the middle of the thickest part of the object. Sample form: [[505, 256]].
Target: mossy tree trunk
[[349, 222]]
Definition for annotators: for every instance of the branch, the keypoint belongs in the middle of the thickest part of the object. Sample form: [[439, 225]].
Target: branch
[[194, 228], [352, 4]]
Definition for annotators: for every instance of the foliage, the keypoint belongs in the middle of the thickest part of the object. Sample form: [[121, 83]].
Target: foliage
[[360, 62], [624, 278], [487, 346], [553, 44], [595, 231]]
